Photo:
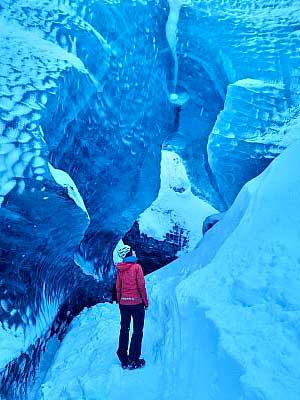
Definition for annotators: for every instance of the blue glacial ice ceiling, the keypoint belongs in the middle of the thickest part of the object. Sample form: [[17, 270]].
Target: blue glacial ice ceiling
[[90, 91]]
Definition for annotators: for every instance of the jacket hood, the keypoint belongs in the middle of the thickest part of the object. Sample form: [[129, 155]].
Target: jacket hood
[[130, 259], [124, 266]]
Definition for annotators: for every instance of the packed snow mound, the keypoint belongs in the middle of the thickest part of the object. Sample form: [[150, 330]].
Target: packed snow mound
[[251, 289], [223, 320]]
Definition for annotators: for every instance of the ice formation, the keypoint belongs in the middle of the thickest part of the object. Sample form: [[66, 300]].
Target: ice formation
[[171, 35], [77, 105], [237, 60], [175, 204]]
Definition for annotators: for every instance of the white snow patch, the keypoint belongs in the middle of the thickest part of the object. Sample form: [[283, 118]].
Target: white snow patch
[[175, 204], [64, 180], [251, 289]]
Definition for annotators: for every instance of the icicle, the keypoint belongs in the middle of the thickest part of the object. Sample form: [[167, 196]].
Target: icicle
[[171, 35]]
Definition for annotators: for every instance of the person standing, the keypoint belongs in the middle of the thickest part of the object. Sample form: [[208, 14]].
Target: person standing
[[133, 301]]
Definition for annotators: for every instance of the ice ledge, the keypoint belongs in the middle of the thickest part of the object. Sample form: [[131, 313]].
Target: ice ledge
[[64, 180]]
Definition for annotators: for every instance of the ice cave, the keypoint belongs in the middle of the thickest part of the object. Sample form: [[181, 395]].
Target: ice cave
[[171, 127]]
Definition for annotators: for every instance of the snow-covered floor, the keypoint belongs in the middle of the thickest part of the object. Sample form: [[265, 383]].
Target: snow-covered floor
[[223, 322], [87, 367]]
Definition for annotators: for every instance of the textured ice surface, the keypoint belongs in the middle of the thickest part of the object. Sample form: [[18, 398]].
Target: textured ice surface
[[223, 321], [110, 130], [175, 205], [238, 62], [172, 225], [84, 110], [37, 215]]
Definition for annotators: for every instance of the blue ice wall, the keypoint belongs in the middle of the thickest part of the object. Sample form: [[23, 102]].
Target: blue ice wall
[[84, 111], [248, 55]]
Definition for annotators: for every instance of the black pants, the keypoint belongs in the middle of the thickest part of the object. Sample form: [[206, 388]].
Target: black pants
[[137, 312]]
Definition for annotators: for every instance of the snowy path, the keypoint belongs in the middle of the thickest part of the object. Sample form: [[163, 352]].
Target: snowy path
[[88, 362], [89, 365], [177, 354]]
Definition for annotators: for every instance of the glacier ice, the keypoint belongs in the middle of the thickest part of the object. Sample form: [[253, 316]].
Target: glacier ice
[[84, 112], [238, 61]]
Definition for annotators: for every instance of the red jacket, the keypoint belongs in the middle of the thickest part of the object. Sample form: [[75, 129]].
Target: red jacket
[[130, 285]]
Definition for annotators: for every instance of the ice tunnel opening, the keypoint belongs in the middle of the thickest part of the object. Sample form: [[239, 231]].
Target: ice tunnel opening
[[197, 89], [172, 225]]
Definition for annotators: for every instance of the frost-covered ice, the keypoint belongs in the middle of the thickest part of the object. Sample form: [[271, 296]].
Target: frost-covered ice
[[223, 322], [175, 205]]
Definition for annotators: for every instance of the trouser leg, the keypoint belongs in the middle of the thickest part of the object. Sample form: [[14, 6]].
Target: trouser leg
[[124, 333], [138, 314]]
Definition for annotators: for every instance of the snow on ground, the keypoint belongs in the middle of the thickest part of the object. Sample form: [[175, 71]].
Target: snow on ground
[[251, 290], [223, 321], [175, 204]]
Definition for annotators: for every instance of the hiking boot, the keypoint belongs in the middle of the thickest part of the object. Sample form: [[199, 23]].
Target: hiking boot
[[123, 360], [124, 365], [136, 364]]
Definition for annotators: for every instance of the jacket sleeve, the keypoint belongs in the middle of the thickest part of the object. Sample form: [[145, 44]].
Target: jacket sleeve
[[118, 287], [141, 285]]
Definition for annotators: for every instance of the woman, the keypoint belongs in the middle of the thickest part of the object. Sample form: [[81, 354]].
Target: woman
[[133, 300]]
